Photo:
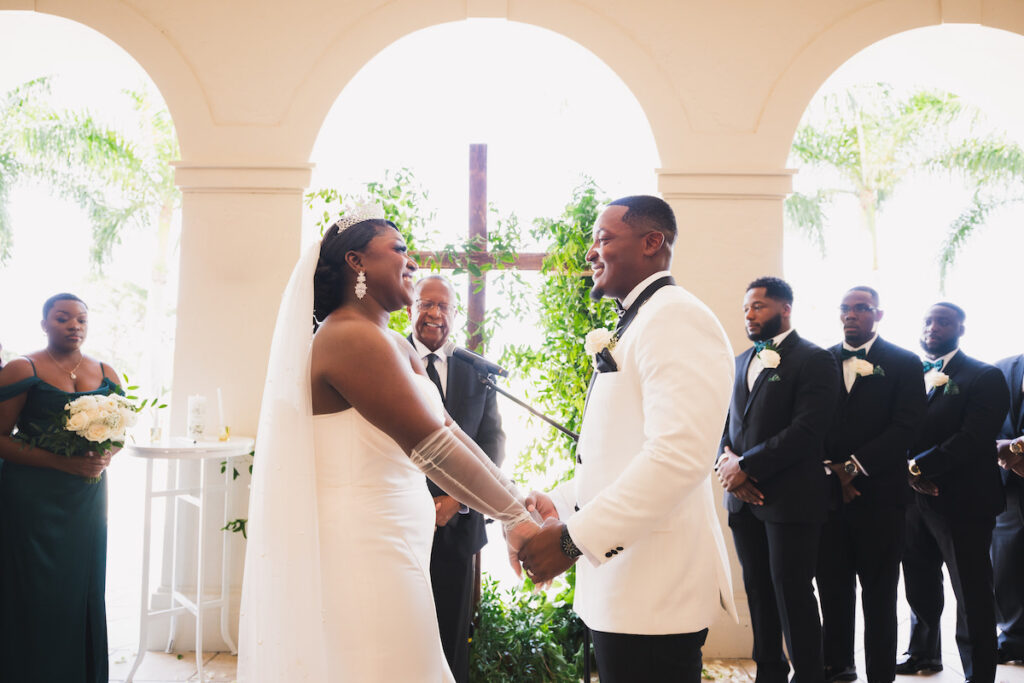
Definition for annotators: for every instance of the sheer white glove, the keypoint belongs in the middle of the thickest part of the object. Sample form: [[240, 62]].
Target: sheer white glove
[[472, 479], [469, 478]]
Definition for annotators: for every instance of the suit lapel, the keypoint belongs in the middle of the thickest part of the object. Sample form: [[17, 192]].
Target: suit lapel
[[837, 354], [1016, 397], [948, 370], [783, 348]]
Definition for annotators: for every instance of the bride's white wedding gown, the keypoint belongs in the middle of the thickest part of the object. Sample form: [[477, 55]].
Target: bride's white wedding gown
[[376, 520]]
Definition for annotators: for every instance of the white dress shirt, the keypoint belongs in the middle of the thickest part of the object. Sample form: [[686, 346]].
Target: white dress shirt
[[755, 367], [441, 364], [635, 292], [849, 370]]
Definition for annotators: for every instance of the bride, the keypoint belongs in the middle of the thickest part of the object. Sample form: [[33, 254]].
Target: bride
[[337, 582]]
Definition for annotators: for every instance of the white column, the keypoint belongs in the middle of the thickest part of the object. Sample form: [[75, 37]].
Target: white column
[[241, 232], [730, 232]]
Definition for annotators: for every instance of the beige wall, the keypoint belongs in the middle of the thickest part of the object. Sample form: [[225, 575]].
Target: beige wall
[[249, 82]]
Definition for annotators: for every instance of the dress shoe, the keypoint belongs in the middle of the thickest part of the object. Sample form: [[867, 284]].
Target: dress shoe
[[1006, 655], [918, 665], [835, 673]]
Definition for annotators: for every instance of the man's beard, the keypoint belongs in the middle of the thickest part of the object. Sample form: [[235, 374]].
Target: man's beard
[[596, 293], [769, 329], [941, 350]]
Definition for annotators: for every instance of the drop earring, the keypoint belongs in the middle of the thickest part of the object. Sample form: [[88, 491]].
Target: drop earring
[[361, 284]]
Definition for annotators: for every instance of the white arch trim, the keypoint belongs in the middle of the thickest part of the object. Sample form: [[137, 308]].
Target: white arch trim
[[835, 44]]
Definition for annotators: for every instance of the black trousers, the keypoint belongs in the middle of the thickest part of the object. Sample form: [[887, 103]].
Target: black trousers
[[634, 658], [861, 541], [964, 547], [778, 563], [451, 577], [1008, 568]]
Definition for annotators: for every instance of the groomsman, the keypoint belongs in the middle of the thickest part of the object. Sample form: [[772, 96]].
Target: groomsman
[[783, 401], [1008, 537], [954, 473], [881, 406], [459, 532]]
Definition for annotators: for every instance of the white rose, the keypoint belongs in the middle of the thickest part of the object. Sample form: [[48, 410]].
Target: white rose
[[97, 432], [769, 358], [77, 422], [130, 417], [862, 367], [117, 434], [83, 403], [107, 403], [597, 340], [115, 421], [939, 379]]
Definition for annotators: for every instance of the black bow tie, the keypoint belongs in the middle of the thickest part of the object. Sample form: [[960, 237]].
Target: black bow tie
[[859, 353], [619, 310]]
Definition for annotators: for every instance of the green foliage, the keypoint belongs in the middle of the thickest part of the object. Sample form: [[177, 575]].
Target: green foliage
[[870, 140], [559, 367], [119, 182], [526, 637]]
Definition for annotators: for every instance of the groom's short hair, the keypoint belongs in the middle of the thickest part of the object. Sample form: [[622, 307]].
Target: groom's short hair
[[644, 212], [774, 288]]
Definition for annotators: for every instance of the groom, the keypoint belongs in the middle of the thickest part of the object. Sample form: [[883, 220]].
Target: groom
[[640, 508]]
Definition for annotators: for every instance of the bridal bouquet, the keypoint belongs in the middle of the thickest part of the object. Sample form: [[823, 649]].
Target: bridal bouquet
[[89, 423]]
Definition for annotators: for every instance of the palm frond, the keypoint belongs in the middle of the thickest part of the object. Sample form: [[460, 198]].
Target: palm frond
[[805, 214], [963, 227]]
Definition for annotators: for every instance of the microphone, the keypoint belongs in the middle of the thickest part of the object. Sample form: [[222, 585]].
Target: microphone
[[479, 362]]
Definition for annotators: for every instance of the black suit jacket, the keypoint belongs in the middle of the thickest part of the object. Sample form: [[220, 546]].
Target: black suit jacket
[[779, 430], [1013, 426], [878, 421], [956, 448], [474, 407]]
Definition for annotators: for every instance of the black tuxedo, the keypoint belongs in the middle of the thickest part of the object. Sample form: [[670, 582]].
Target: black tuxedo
[[876, 422], [474, 408], [1008, 537], [956, 450], [778, 430]]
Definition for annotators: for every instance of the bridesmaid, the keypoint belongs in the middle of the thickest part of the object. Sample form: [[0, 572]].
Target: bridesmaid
[[53, 523]]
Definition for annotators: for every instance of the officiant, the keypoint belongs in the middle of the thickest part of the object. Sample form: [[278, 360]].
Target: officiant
[[459, 534]]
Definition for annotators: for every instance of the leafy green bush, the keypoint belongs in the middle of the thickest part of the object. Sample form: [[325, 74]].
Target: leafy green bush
[[526, 637]]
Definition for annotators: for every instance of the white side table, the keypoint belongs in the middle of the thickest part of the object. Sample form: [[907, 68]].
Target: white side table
[[176, 450]]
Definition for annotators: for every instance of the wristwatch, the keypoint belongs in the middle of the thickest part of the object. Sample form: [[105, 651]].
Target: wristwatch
[[1017, 447], [569, 548], [850, 467], [913, 468]]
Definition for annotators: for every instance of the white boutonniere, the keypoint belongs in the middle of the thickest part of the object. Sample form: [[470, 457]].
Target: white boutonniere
[[941, 379], [599, 339], [866, 369], [769, 356]]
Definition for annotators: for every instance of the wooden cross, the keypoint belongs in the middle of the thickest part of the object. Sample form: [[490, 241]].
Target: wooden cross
[[476, 302]]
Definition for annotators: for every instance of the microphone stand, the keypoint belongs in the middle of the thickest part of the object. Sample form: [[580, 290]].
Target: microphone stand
[[487, 380]]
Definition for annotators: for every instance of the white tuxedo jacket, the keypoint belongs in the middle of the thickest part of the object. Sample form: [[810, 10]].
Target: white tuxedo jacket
[[654, 558]]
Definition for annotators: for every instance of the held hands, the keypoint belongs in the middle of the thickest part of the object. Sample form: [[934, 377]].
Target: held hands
[[844, 477], [922, 485], [849, 493], [516, 538], [736, 481], [542, 556], [1011, 460], [445, 507], [541, 506], [89, 466]]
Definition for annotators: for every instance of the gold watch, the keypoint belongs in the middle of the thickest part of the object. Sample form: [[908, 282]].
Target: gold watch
[[913, 468], [1017, 447]]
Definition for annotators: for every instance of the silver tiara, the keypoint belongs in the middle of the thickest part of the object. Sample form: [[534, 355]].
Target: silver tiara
[[357, 212]]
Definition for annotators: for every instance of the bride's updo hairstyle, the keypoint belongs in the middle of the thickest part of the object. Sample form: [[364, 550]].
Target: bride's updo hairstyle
[[333, 274]]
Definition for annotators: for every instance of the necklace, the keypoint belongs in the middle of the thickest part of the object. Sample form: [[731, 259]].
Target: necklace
[[71, 372]]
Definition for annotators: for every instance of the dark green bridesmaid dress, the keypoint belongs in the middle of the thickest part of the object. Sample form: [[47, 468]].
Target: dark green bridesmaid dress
[[53, 558]]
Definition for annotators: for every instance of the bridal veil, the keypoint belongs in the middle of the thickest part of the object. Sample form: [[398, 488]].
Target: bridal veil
[[281, 625]]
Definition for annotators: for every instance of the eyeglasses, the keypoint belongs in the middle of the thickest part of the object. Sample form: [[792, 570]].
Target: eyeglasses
[[857, 308], [428, 305]]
